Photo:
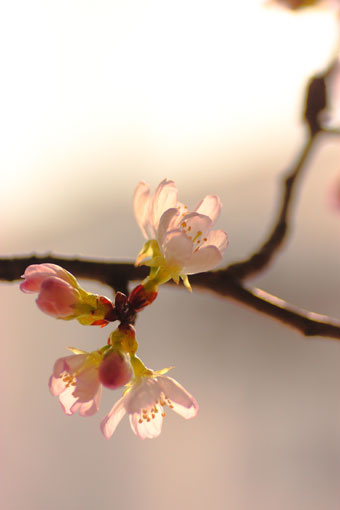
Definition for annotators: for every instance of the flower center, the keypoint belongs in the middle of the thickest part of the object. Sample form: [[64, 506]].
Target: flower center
[[68, 379], [195, 237], [149, 413]]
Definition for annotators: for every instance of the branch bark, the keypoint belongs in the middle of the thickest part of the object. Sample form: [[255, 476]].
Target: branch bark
[[222, 283], [265, 254], [226, 282]]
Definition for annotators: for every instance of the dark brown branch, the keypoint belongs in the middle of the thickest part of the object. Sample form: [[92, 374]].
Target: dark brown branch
[[221, 283], [117, 275], [307, 323], [261, 258]]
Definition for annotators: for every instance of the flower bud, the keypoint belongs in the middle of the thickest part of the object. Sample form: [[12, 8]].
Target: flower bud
[[57, 297], [140, 297], [36, 274], [115, 370]]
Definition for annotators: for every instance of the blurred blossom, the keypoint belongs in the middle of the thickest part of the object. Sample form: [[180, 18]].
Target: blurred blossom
[[334, 196], [295, 5], [332, 118]]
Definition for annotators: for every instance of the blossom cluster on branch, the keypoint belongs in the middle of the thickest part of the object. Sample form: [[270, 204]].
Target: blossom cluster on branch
[[179, 243]]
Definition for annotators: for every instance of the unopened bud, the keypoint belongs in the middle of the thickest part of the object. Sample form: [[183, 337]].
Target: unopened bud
[[140, 297], [115, 370], [57, 297]]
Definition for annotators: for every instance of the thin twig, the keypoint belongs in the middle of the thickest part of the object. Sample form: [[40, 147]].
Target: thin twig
[[306, 322], [262, 257]]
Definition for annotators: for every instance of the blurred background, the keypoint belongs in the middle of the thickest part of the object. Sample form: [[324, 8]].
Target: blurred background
[[94, 97]]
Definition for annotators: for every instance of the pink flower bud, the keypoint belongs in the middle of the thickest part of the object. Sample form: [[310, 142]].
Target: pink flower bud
[[36, 273], [57, 297], [115, 370]]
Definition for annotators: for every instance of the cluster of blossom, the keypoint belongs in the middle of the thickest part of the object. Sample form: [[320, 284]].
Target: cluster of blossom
[[295, 5], [179, 243]]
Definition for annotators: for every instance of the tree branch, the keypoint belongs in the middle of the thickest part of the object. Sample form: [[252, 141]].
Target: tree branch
[[221, 283], [262, 257], [265, 254]]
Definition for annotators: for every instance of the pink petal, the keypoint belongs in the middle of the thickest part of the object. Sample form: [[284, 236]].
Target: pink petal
[[56, 385], [202, 260], [91, 407], [68, 401], [72, 363], [177, 249], [57, 297], [142, 206], [165, 197], [68, 364], [110, 422], [87, 385], [166, 219], [146, 429], [183, 403], [210, 206], [219, 239], [35, 274]]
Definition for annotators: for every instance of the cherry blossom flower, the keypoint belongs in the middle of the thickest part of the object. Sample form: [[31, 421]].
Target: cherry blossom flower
[[145, 400], [75, 382], [180, 242]]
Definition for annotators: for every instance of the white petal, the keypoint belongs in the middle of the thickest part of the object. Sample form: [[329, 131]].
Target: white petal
[[203, 259], [194, 223], [68, 400], [219, 239], [183, 403], [146, 429], [177, 248], [110, 422], [167, 219], [186, 412], [210, 206], [182, 211], [141, 207], [165, 197], [143, 395]]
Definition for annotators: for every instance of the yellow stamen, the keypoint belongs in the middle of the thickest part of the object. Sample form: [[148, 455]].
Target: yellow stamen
[[199, 233]]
